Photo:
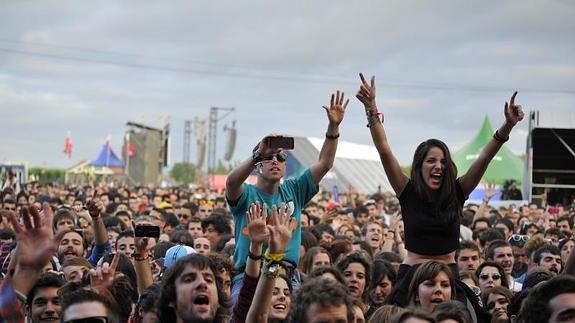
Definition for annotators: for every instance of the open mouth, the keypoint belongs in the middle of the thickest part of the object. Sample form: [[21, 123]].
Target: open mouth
[[437, 300], [436, 177], [202, 300], [280, 307], [49, 319]]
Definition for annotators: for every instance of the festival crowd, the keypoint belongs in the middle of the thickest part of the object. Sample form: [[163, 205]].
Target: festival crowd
[[282, 250]]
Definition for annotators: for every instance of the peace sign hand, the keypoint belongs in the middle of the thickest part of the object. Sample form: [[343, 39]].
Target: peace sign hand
[[105, 275], [336, 109], [513, 112], [366, 93]]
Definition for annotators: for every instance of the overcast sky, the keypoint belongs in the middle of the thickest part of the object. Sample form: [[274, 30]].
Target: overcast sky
[[441, 66]]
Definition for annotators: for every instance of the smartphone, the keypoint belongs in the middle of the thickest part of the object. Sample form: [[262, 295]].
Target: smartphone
[[281, 142], [150, 231]]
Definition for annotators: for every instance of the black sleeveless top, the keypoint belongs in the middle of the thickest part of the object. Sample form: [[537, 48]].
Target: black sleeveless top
[[425, 233]]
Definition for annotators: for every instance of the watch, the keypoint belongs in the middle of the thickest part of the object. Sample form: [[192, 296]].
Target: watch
[[257, 156], [271, 269]]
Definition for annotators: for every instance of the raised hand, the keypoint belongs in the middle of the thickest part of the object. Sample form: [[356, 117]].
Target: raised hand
[[257, 229], [513, 112], [36, 240], [366, 93], [95, 207], [280, 229], [336, 109], [104, 275]]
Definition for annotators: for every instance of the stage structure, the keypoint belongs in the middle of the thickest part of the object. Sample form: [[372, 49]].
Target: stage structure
[[146, 152], [212, 140]]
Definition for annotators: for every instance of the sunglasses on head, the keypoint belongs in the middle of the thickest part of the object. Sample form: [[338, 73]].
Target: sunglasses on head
[[281, 157], [486, 276], [206, 202]]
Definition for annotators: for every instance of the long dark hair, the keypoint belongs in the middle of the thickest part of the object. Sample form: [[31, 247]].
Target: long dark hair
[[446, 204]]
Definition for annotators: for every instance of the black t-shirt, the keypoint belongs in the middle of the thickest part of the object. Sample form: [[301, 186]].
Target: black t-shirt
[[425, 233]]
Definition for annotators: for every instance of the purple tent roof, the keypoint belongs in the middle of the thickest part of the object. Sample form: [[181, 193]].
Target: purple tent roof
[[107, 158]]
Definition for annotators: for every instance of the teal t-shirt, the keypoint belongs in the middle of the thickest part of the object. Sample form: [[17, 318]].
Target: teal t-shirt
[[296, 192]]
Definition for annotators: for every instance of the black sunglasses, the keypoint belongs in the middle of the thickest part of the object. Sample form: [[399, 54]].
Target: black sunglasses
[[486, 276], [281, 157]]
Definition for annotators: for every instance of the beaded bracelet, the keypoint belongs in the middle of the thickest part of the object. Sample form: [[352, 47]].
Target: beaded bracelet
[[373, 117]]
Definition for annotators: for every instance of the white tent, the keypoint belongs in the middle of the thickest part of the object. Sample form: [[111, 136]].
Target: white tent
[[355, 164]]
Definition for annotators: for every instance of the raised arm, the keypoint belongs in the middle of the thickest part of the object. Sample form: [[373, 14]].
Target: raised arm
[[141, 256], [259, 234], [513, 114], [36, 245], [279, 236], [335, 113], [236, 178], [96, 208], [366, 95]]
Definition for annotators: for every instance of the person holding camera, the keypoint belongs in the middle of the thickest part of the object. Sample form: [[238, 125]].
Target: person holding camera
[[269, 162]]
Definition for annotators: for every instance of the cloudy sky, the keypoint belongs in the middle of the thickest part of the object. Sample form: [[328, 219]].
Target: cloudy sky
[[441, 66]]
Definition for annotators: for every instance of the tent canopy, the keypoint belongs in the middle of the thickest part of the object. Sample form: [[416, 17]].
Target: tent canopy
[[107, 158], [505, 165], [355, 165]]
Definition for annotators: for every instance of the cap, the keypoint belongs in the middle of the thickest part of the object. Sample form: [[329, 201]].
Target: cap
[[177, 252]]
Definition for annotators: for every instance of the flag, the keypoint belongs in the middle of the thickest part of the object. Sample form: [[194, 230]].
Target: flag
[[129, 149], [68, 145]]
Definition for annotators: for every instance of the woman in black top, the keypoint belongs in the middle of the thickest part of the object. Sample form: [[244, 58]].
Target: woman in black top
[[432, 199]]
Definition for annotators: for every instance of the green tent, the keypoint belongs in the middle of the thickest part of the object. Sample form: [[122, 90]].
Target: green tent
[[505, 165]]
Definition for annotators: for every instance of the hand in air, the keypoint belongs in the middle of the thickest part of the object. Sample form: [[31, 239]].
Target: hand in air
[[366, 93], [256, 228], [513, 112], [336, 109], [280, 229]]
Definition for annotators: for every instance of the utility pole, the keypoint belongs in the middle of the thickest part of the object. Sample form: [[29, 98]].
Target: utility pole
[[187, 139], [212, 139]]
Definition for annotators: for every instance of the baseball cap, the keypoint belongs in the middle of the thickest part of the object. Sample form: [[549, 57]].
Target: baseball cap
[[177, 252]]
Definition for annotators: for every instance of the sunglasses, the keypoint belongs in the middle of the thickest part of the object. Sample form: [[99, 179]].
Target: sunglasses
[[518, 238], [281, 157], [486, 276], [93, 319]]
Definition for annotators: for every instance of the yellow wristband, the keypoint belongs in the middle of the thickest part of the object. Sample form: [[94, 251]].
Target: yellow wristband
[[274, 257]]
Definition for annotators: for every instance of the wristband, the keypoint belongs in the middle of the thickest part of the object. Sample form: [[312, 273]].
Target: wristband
[[498, 137], [274, 257], [271, 269], [373, 117], [141, 257], [331, 137], [254, 257]]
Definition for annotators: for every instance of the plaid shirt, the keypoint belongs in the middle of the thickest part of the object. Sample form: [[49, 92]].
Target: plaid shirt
[[9, 305]]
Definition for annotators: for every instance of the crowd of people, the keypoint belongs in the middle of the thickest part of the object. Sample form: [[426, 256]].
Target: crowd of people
[[281, 250]]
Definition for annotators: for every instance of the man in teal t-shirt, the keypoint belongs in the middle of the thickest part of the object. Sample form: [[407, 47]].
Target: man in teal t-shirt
[[270, 165]]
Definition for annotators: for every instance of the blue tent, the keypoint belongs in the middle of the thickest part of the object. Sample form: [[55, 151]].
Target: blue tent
[[107, 158]]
